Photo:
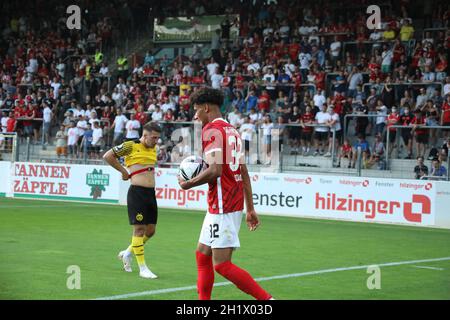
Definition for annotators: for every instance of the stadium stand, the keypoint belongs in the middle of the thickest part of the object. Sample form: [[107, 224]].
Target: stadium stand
[[389, 87]]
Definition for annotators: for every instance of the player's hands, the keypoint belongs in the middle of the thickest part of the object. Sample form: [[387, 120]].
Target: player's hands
[[252, 220], [185, 185]]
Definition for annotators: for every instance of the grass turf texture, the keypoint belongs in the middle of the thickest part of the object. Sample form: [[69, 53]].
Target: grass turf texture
[[40, 239]]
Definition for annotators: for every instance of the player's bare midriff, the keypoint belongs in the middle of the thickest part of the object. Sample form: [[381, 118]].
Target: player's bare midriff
[[143, 179]]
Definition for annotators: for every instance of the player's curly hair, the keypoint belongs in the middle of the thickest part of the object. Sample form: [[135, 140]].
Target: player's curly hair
[[207, 95]]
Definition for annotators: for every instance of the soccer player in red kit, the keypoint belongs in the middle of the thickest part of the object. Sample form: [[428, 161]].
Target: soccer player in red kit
[[229, 186]]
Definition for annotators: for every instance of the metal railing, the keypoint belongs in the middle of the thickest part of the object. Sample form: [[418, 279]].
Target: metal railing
[[398, 128], [406, 85], [433, 30]]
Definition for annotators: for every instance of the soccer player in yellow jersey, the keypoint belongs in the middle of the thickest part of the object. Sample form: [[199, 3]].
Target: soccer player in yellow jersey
[[140, 159]]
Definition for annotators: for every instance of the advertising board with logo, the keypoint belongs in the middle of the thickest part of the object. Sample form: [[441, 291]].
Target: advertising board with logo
[[412, 202], [65, 182], [355, 199]]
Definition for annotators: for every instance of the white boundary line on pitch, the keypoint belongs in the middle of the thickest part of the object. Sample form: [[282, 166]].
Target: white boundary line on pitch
[[284, 276], [43, 206], [427, 267]]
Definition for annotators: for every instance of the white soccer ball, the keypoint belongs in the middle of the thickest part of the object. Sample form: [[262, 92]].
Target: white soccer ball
[[191, 166]]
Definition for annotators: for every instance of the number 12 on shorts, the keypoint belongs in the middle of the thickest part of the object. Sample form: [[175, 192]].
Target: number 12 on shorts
[[213, 229]]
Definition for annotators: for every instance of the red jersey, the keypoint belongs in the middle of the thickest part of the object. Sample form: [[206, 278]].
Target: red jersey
[[264, 102], [421, 122], [446, 112], [294, 49], [225, 195], [10, 123], [405, 120], [346, 148], [307, 118], [392, 120], [141, 117]]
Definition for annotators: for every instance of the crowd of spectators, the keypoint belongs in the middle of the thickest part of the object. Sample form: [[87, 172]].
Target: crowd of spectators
[[297, 66]]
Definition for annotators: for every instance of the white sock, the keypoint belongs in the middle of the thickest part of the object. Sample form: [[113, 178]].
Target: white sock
[[128, 251], [143, 267]]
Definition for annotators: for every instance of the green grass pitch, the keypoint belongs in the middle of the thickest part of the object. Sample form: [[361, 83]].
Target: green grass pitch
[[39, 240]]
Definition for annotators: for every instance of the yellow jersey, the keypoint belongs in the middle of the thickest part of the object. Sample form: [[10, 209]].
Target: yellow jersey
[[135, 153], [406, 33]]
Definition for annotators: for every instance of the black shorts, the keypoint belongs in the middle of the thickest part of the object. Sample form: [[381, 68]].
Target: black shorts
[[406, 135], [338, 135], [295, 133], [247, 145], [142, 206], [392, 136], [321, 136], [422, 138], [306, 136]]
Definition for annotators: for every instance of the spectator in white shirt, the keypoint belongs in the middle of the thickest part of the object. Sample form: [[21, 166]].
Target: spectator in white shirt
[[216, 79], [233, 117], [117, 97], [167, 105], [121, 86], [247, 130], [78, 111], [212, 66], [88, 113], [269, 79], [321, 132], [157, 115], [255, 66], [254, 116], [4, 121], [289, 67], [447, 86], [97, 135], [104, 70], [132, 128], [92, 118], [335, 50], [72, 140], [304, 59], [81, 125], [47, 119], [319, 99], [55, 85], [381, 119], [61, 67], [334, 123], [33, 65], [267, 126], [119, 125]]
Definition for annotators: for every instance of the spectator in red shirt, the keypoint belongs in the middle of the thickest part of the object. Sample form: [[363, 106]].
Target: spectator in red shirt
[[169, 116], [183, 101], [445, 115], [27, 123], [141, 116], [392, 120], [11, 123], [264, 101], [420, 134]]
